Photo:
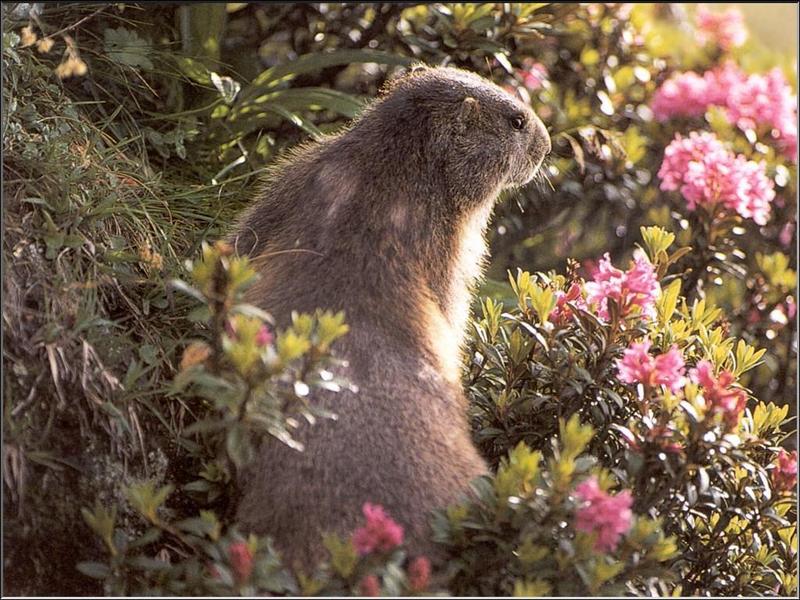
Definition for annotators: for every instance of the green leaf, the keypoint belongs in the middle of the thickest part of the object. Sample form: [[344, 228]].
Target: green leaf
[[747, 357], [303, 99], [146, 500], [295, 119], [194, 70], [149, 536], [309, 63], [543, 301], [237, 446], [149, 354], [148, 564], [531, 588], [668, 302], [574, 436], [127, 48], [330, 327], [290, 345], [10, 40], [343, 554], [517, 474], [101, 521], [95, 570], [187, 289], [656, 240], [200, 526]]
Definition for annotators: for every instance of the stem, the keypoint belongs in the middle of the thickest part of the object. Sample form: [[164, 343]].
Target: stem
[[243, 404], [74, 25], [219, 281]]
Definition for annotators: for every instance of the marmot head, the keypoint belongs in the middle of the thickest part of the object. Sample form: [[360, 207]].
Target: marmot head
[[473, 135]]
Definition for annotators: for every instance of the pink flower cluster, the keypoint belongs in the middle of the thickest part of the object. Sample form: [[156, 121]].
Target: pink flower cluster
[[719, 393], [682, 95], [784, 474], [706, 173], [608, 517], [380, 532], [562, 313], [637, 366], [635, 288], [749, 101], [725, 29]]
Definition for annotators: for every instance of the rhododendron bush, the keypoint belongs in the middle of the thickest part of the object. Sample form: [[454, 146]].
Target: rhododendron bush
[[631, 362], [661, 385]]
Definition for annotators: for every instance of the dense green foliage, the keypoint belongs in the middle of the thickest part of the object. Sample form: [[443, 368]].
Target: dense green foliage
[[136, 384]]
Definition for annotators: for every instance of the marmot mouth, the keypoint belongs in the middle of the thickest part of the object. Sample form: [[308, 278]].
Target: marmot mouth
[[524, 178]]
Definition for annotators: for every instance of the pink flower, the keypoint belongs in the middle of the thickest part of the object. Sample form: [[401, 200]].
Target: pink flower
[[721, 81], [263, 337], [706, 173], [379, 533], [750, 101], [369, 586], [765, 100], [682, 151], [562, 313], [608, 517], [637, 366], [726, 29], [785, 236], [682, 95], [784, 473], [753, 193], [533, 74], [241, 561], [791, 307], [635, 288], [718, 392], [419, 574]]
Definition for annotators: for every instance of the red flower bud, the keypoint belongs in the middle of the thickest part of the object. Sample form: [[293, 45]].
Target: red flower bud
[[369, 586], [784, 475], [241, 561], [419, 574]]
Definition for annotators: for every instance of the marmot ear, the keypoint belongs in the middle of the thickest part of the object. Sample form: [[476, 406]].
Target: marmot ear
[[470, 107]]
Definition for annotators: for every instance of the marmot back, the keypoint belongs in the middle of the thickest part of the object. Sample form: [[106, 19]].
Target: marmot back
[[385, 221]]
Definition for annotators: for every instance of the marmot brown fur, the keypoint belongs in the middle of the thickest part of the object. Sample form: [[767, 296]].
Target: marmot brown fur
[[385, 221]]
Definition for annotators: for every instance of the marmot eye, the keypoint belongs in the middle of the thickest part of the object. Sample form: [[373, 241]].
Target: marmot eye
[[517, 122]]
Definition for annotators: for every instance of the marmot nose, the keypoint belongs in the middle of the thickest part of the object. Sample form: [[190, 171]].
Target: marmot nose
[[541, 130], [541, 143]]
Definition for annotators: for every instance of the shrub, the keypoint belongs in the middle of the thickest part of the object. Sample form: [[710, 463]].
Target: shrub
[[694, 448], [706, 500]]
